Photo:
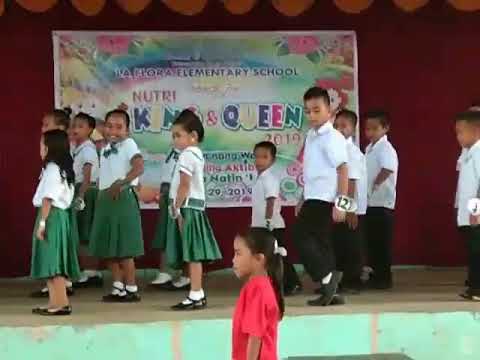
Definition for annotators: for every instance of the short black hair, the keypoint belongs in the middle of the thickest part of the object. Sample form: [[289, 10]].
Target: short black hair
[[61, 117], [349, 115], [266, 145], [381, 115], [317, 92], [190, 122], [90, 120], [121, 113], [471, 117]]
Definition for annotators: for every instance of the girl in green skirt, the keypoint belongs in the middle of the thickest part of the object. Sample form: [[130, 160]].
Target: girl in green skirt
[[190, 238], [116, 233], [86, 167], [54, 253]]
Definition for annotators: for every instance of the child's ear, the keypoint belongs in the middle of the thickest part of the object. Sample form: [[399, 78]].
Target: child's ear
[[195, 135]]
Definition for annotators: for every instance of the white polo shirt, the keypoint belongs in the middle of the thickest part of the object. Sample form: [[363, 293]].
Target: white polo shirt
[[85, 153], [325, 150], [190, 162], [166, 171], [267, 185], [52, 186], [357, 170], [382, 155], [468, 182], [116, 166], [459, 165]]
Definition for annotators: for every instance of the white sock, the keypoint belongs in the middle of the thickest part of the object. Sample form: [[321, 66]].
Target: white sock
[[44, 290], [131, 288], [68, 283], [181, 281], [118, 288], [83, 278], [196, 295], [327, 279]]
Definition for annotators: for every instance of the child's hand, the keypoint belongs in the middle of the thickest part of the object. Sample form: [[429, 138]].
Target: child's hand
[[180, 222], [338, 216], [474, 220], [40, 232], [298, 207], [352, 220], [114, 189]]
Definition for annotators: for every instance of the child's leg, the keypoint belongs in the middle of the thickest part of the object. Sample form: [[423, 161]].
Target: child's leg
[[60, 292], [128, 268], [51, 294], [195, 270], [473, 240], [116, 270]]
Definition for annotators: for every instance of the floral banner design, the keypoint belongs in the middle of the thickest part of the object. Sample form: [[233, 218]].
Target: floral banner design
[[245, 86]]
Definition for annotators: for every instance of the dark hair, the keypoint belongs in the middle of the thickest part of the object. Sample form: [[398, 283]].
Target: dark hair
[[317, 92], [268, 145], [90, 120], [190, 122], [261, 241], [121, 113], [61, 117], [349, 115], [474, 106], [471, 117], [382, 116], [59, 153]]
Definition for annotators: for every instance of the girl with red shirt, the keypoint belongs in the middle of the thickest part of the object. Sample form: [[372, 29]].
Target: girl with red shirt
[[258, 261]]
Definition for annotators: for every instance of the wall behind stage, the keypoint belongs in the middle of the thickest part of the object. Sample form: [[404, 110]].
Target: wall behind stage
[[422, 67]]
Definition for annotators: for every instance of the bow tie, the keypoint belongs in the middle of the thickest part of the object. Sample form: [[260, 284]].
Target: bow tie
[[113, 150], [173, 154]]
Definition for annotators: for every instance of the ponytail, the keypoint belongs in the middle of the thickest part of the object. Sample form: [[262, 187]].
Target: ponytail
[[275, 273]]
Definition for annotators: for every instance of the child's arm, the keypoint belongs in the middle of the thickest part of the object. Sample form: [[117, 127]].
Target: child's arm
[[381, 177], [183, 190], [352, 218], [269, 211], [44, 212], [299, 205], [87, 175], [253, 347], [342, 190], [136, 170]]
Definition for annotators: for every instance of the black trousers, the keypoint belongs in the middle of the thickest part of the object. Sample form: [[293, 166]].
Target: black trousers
[[290, 277], [312, 238], [379, 237], [471, 235], [349, 251]]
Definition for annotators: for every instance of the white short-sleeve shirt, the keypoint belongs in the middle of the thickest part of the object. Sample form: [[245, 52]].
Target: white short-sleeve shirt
[[459, 165], [267, 185], [85, 153], [325, 150], [115, 162], [190, 162], [382, 155], [168, 166], [52, 186], [357, 170], [468, 182]]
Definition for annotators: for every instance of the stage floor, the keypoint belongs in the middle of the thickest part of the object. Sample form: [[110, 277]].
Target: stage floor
[[432, 290]]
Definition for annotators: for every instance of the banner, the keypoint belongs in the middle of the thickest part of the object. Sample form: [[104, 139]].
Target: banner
[[245, 86]]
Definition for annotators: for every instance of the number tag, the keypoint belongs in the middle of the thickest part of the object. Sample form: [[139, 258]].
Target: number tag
[[344, 203]]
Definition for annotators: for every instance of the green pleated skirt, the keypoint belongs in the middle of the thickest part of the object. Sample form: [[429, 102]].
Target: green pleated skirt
[[85, 217], [195, 243], [160, 238], [117, 226], [56, 255]]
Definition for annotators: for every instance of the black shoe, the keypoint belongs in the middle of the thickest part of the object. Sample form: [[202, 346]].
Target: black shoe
[[338, 300], [171, 287], [44, 294], [131, 297], [38, 309], [112, 298], [64, 311], [92, 282], [191, 305], [163, 286], [295, 290], [328, 292], [469, 295]]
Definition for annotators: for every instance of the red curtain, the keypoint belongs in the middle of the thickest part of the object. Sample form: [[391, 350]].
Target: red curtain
[[422, 67]]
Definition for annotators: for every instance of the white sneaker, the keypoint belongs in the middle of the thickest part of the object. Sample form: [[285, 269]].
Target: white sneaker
[[162, 278], [181, 282]]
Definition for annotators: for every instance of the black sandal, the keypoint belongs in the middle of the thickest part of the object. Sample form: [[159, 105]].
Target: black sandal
[[191, 305], [64, 311]]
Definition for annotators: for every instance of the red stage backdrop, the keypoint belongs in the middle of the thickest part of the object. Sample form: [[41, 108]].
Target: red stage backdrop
[[422, 67]]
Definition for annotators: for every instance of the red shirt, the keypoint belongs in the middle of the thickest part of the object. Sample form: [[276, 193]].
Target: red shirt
[[256, 314]]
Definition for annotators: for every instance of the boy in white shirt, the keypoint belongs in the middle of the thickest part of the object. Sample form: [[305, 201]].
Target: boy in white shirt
[[382, 172], [325, 177], [347, 237], [266, 208], [467, 128]]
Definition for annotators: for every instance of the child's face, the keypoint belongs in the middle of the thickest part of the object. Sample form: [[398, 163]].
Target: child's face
[[345, 126], [116, 128], [181, 138], [48, 123], [374, 130], [467, 134], [317, 112], [81, 130], [43, 149], [244, 262], [263, 159]]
